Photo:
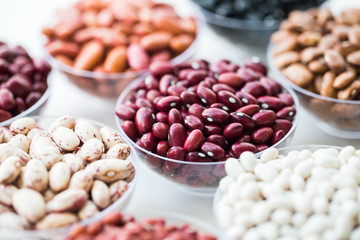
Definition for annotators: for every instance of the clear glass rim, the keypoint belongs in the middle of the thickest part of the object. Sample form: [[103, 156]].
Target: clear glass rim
[[96, 217], [129, 88], [196, 14], [279, 75], [36, 105], [219, 193]]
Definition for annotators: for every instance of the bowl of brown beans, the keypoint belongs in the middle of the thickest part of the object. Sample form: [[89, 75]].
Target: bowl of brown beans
[[102, 46], [144, 225], [318, 54], [58, 171], [185, 120], [24, 83]]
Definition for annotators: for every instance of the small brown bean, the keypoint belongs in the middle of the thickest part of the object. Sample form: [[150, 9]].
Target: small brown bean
[[299, 74]]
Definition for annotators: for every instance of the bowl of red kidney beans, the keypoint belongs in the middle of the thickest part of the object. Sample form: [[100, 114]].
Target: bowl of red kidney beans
[[185, 120], [23, 83]]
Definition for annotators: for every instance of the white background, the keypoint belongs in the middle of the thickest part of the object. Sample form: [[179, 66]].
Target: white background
[[21, 22]]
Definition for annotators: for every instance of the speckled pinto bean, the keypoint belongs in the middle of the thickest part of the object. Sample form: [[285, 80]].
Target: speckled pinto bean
[[216, 112], [115, 223], [67, 175]]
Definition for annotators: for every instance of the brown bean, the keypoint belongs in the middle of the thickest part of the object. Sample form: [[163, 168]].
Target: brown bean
[[309, 38], [285, 45], [327, 85], [310, 53], [181, 42], [345, 48], [68, 49], [341, 32], [344, 79], [318, 66], [156, 40], [327, 42], [351, 92], [354, 34], [334, 61], [116, 60], [299, 74], [284, 59], [89, 55], [354, 58]]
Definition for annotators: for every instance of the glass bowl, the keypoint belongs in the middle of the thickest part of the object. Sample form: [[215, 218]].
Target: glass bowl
[[283, 151], [36, 108], [110, 85], [340, 118], [59, 233], [200, 178], [239, 24]]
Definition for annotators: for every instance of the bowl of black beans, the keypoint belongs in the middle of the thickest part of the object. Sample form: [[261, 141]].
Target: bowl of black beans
[[251, 14]]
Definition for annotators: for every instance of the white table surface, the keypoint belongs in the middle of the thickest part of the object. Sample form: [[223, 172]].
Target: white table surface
[[21, 22]]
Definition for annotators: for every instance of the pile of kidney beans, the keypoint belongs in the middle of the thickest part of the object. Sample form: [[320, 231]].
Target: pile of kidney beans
[[202, 112], [115, 226], [23, 80]]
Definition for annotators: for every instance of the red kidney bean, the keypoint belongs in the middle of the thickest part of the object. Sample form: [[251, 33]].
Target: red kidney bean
[[244, 138], [270, 102], [153, 161], [208, 178], [149, 141], [221, 106], [229, 99], [166, 103], [183, 73], [248, 75], [210, 129], [28, 70], [277, 136], [286, 98], [130, 129], [250, 109], [151, 83], [218, 140], [193, 140], [143, 102], [196, 76], [195, 182], [210, 80], [193, 122], [125, 112], [160, 68], [32, 98], [219, 170], [189, 98], [161, 117], [196, 110], [231, 79], [176, 90], [139, 85], [240, 147], [256, 89], [4, 115], [206, 95], [165, 82], [262, 135], [183, 83], [282, 124], [233, 130], [160, 130], [39, 87], [196, 157], [177, 153], [187, 171], [255, 64], [262, 147], [220, 86], [215, 116], [174, 116], [162, 148], [246, 98], [287, 113], [272, 87], [152, 94], [264, 118], [212, 150], [170, 167], [177, 135], [144, 120], [20, 106], [245, 120], [4, 66], [7, 100]]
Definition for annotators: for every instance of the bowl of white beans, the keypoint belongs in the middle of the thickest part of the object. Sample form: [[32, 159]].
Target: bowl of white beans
[[298, 192], [58, 171]]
